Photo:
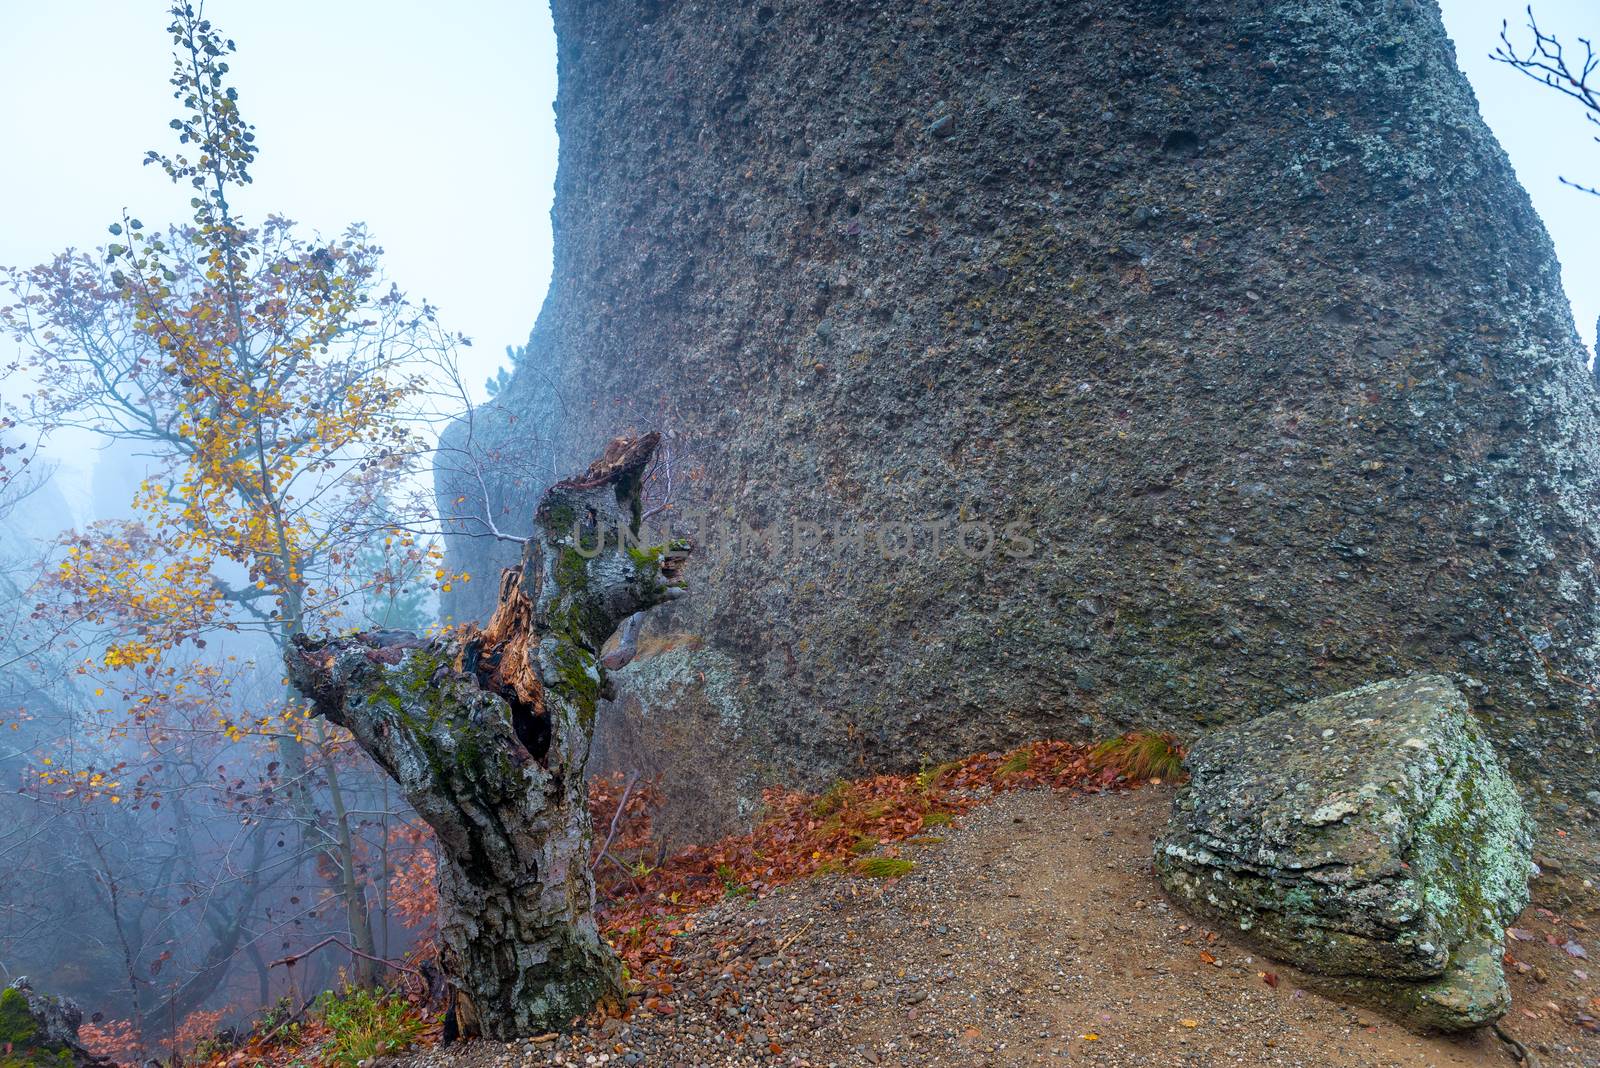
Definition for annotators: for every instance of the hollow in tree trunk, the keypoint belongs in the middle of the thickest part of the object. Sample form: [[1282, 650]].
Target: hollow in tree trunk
[[487, 733]]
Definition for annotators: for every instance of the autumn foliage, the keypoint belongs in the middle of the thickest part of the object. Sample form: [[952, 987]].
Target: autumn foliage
[[647, 902], [269, 396], [798, 835]]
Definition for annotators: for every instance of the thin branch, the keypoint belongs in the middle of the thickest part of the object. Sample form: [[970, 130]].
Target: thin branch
[[294, 958], [616, 819], [1545, 60]]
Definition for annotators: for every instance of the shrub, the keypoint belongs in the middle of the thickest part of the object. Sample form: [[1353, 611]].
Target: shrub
[[366, 1025]]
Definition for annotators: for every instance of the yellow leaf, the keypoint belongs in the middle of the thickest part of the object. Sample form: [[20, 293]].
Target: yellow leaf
[[1190, 1023]]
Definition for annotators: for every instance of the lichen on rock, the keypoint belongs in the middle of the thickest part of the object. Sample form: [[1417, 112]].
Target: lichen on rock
[[1371, 838], [1283, 406]]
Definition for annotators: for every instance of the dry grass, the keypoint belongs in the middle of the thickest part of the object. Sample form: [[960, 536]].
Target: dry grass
[[1021, 760], [1141, 755]]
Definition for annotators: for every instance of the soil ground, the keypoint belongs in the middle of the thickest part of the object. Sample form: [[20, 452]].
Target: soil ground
[[1033, 933]]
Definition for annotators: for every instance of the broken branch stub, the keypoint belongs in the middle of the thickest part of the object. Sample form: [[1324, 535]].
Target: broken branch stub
[[487, 732]]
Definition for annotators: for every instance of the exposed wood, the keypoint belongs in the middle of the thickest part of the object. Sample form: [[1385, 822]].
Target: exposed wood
[[487, 734]]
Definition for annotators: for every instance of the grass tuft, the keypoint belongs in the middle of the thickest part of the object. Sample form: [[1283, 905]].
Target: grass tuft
[[928, 778], [1021, 760], [832, 800], [1141, 755], [866, 843], [883, 867]]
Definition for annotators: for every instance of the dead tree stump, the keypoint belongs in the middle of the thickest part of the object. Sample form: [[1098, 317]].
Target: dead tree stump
[[487, 734]]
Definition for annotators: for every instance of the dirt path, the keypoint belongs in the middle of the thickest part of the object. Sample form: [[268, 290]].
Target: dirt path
[[1032, 934]]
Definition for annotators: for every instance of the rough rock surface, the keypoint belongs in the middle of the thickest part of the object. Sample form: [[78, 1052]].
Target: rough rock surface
[[1371, 837], [1236, 308], [39, 1030]]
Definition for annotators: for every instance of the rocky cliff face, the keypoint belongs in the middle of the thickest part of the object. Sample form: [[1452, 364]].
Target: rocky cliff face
[[1087, 364]]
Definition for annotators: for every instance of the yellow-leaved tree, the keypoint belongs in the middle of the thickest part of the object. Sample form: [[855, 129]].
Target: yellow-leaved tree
[[276, 390]]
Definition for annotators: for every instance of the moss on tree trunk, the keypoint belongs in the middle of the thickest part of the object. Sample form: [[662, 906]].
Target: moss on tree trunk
[[487, 733]]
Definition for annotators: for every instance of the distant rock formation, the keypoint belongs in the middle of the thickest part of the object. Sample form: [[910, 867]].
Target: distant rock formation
[[1371, 838], [1215, 344]]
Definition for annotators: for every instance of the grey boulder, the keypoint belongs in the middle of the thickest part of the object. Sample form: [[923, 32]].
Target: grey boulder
[[1371, 838]]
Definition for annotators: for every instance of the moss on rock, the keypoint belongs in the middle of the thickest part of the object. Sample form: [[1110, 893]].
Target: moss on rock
[[17, 1025], [25, 1039]]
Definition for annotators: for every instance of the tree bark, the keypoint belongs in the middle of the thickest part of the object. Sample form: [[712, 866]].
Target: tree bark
[[487, 734]]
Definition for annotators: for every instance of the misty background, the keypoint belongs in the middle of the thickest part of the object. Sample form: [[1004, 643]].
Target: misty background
[[434, 126]]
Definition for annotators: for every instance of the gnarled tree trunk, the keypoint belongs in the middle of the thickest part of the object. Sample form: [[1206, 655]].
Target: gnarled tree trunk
[[487, 733]]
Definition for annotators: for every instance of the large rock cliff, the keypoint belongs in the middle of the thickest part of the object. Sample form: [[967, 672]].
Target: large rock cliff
[[1228, 320]]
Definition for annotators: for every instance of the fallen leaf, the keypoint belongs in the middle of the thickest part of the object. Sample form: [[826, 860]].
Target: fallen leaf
[[1519, 934], [1270, 978], [1090, 1037], [1207, 957], [1190, 1023], [1575, 950]]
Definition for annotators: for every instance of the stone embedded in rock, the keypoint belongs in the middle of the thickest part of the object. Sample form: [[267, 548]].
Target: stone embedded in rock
[[1371, 838]]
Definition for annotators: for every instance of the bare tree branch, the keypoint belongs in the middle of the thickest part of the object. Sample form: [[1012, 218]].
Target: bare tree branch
[[1545, 60]]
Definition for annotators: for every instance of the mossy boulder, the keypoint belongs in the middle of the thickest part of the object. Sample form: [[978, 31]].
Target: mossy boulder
[[40, 1031], [1371, 838]]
